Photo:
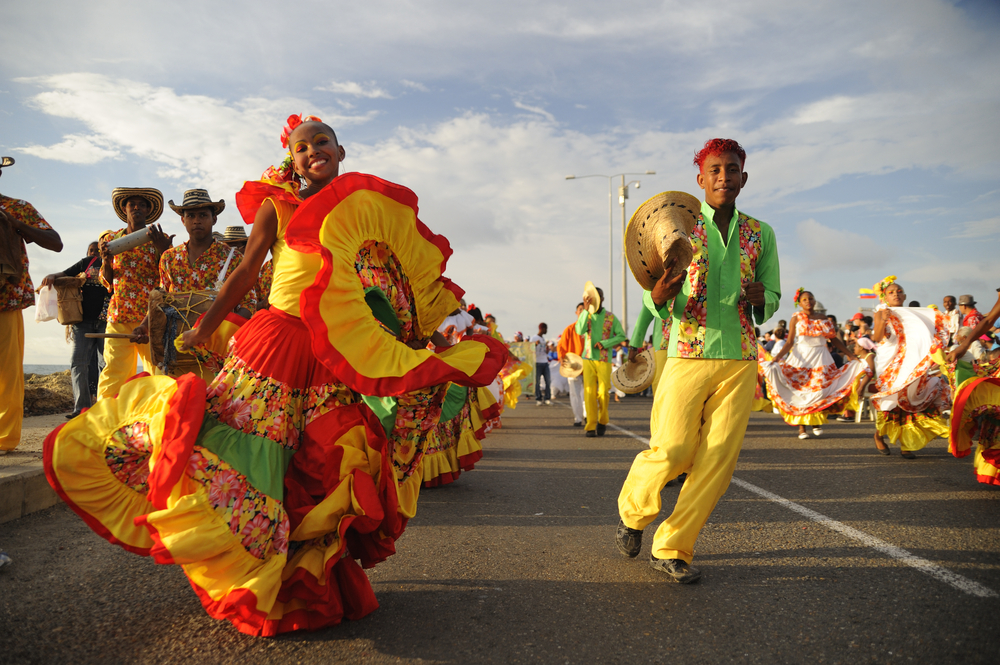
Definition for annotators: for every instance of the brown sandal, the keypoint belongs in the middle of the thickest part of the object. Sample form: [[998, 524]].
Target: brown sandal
[[885, 450]]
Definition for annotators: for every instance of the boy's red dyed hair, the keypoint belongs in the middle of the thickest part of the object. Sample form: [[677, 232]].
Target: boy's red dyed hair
[[718, 147]]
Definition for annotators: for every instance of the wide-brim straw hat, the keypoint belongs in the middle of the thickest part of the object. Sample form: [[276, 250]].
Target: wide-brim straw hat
[[119, 195], [660, 230], [197, 198], [595, 298], [571, 366], [235, 234], [634, 377]]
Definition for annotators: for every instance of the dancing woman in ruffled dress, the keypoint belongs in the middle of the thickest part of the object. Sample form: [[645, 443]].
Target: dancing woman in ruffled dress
[[910, 393], [273, 486], [808, 385]]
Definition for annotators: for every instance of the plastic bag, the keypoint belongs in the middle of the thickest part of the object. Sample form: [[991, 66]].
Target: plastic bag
[[47, 307]]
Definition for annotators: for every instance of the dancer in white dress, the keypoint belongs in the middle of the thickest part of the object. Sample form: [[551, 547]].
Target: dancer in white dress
[[803, 381]]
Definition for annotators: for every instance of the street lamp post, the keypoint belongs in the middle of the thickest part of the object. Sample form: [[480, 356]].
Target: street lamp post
[[622, 195]]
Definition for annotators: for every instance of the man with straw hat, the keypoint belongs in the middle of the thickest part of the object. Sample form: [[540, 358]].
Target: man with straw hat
[[571, 343], [236, 236], [130, 275], [20, 223], [700, 414], [601, 331], [196, 265]]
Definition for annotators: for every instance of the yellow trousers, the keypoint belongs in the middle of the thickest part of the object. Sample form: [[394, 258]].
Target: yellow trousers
[[700, 415], [596, 384], [11, 378], [661, 362], [121, 357]]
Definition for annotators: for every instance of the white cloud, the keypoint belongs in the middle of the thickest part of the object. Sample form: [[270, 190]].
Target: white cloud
[[419, 87], [535, 109], [75, 149], [983, 228], [368, 90]]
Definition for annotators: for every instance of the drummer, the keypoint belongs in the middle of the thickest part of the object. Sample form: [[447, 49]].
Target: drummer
[[196, 264], [130, 276]]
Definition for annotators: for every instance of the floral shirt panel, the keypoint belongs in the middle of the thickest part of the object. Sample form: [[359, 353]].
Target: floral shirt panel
[[178, 275], [377, 266], [15, 296], [135, 274], [265, 279]]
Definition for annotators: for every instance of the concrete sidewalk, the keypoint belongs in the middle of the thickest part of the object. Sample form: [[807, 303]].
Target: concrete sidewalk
[[23, 487]]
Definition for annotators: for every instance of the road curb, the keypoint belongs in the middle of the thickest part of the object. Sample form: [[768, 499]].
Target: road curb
[[23, 491]]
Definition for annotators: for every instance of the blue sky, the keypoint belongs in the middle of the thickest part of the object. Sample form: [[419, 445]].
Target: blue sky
[[871, 127]]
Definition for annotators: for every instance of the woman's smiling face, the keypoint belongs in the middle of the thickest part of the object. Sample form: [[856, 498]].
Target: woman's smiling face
[[315, 153]]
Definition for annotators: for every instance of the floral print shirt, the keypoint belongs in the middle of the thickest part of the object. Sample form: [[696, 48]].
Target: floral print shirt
[[603, 327], [265, 279], [710, 317], [177, 273], [135, 274], [17, 295]]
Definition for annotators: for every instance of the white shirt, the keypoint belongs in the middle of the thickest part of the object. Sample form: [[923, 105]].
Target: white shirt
[[541, 353]]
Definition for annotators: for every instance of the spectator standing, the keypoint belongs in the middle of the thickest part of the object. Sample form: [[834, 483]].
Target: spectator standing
[[86, 350], [970, 315], [20, 223], [542, 366], [952, 318]]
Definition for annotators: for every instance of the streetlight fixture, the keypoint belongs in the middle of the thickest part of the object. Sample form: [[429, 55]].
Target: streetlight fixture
[[622, 195]]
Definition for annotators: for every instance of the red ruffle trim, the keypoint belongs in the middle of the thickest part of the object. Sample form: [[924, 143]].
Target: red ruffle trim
[[988, 480], [185, 412], [956, 415], [255, 192]]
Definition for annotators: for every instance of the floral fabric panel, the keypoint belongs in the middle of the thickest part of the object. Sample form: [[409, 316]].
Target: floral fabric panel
[[985, 422], [135, 274], [607, 332], [250, 402], [255, 519], [376, 265], [265, 279], [450, 431], [417, 413], [15, 296], [692, 321], [127, 456], [178, 275], [806, 327], [665, 338], [809, 379]]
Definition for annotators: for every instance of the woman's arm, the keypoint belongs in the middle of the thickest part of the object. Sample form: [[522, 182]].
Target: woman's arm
[[242, 279], [840, 346], [878, 325], [789, 340]]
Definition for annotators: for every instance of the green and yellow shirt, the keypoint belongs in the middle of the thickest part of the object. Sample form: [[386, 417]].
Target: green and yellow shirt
[[600, 332], [708, 317]]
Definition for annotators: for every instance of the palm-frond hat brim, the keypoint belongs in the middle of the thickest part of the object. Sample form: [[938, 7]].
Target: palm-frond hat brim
[[660, 230], [152, 196]]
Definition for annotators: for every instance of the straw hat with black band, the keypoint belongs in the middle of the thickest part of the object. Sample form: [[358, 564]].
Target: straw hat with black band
[[589, 290], [660, 230], [152, 196], [235, 234], [197, 198], [6, 161], [571, 366], [637, 375]]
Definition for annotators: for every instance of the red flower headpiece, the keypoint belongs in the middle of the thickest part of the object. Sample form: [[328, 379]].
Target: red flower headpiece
[[293, 122]]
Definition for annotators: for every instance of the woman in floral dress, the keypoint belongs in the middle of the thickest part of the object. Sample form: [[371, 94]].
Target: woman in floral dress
[[910, 392], [808, 385], [975, 414], [275, 485]]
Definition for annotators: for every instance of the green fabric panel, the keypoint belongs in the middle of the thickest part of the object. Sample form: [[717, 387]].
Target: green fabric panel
[[384, 409], [382, 309], [260, 459], [454, 400], [963, 372]]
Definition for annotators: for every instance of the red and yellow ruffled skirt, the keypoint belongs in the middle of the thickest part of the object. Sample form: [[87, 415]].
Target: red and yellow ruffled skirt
[[271, 488], [913, 431], [976, 418]]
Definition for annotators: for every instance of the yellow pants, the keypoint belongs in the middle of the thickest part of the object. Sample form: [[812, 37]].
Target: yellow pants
[[701, 415], [596, 384], [11, 378], [121, 356], [661, 362]]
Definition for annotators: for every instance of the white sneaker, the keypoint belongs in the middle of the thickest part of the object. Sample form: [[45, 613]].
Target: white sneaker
[[803, 435], [548, 401], [538, 402], [817, 431]]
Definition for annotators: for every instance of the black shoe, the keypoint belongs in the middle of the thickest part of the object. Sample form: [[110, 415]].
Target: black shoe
[[591, 433], [629, 541], [679, 570], [578, 423], [71, 416], [601, 429], [906, 454]]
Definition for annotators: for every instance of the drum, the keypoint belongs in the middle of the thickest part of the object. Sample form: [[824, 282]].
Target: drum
[[170, 316]]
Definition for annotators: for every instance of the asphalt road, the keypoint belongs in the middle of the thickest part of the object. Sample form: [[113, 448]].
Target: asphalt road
[[516, 563]]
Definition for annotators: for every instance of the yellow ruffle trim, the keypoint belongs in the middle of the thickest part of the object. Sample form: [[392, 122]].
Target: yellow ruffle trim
[[809, 419], [912, 436], [447, 461]]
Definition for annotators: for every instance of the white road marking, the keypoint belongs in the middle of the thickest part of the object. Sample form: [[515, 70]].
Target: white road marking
[[939, 573]]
